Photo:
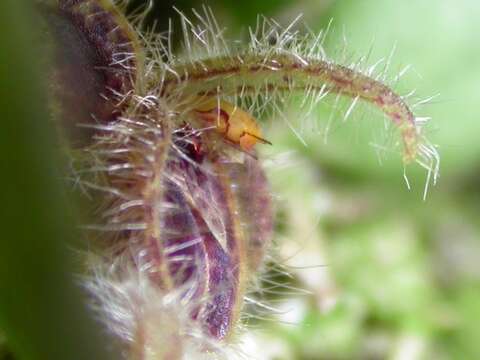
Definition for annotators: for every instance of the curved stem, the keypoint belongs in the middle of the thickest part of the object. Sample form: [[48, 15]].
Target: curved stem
[[248, 73]]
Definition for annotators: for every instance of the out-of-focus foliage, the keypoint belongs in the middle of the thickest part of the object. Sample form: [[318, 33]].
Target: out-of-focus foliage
[[41, 312], [404, 270]]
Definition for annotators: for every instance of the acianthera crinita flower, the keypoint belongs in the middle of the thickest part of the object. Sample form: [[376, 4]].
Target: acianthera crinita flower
[[164, 146]]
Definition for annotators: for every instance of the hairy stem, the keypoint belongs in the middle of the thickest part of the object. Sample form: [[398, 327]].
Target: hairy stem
[[246, 74]]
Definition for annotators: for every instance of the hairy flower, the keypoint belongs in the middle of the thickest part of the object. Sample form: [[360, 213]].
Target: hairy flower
[[183, 210]]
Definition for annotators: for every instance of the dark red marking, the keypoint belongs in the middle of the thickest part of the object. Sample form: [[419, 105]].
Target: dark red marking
[[190, 142], [217, 113]]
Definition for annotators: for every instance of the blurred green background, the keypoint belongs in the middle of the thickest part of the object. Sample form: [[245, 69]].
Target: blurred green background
[[43, 313], [400, 276]]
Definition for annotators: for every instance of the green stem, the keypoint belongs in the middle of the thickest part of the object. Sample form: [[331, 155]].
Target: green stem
[[247, 74]]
